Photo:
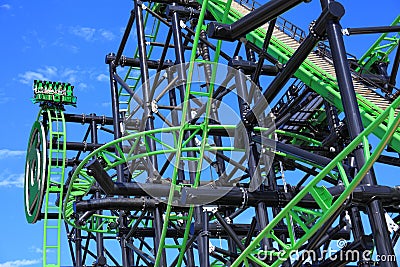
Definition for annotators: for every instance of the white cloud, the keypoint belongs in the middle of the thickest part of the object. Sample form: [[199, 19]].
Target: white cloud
[[11, 180], [40, 250], [18, 263], [48, 71], [108, 35], [91, 34], [86, 33], [102, 77], [80, 78], [60, 42], [52, 73], [82, 86], [5, 6], [7, 153], [36, 249], [45, 73], [29, 76]]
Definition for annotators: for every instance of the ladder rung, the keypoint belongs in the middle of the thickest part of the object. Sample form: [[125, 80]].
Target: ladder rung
[[190, 158], [52, 227], [200, 93], [54, 190], [172, 246], [52, 246], [177, 217]]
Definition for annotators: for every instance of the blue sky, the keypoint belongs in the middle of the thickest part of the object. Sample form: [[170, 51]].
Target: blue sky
[[67, 41]]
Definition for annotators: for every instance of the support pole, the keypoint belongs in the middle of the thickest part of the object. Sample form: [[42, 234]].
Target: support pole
[[355, 127], [395, 69], [144, 71], [370, 30], [125, 37], [78, 247], [100, 260]]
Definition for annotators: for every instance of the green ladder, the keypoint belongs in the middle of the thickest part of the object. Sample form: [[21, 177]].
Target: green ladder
[[133, 76], [54, 187], [170, 215]]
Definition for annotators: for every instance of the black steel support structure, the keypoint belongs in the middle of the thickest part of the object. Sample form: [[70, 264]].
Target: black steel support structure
[[255, 19], [318, 31], [355, 127], [123, 188], [101, 260], [148, 116]]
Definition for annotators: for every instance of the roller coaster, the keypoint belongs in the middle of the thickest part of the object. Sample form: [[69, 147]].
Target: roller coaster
[[235, 138]]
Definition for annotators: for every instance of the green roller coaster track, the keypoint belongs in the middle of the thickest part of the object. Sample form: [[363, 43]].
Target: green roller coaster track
[[381, 49], [379, 122]]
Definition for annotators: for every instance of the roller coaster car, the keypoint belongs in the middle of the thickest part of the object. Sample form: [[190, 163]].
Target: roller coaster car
[[53, 93]]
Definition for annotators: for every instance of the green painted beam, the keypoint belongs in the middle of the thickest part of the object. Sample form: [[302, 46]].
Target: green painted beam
[[382, 48]]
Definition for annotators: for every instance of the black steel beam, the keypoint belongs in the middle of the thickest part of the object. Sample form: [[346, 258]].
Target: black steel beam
[[251, 21], [116, 204], [144, 70], [369, 30], [334, 10], [395, 69], [83, 118], [125, 37], [261, 57], [389, 160], [355, 127], [79, 146], [135, 62], [250, 67], [294, 151], [100, 259]]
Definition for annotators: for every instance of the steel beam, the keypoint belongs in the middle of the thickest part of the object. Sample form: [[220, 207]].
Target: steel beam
[[251, 21], [355, 127]]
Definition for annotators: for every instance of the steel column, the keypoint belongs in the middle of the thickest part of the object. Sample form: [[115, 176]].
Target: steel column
[[355, 127]]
